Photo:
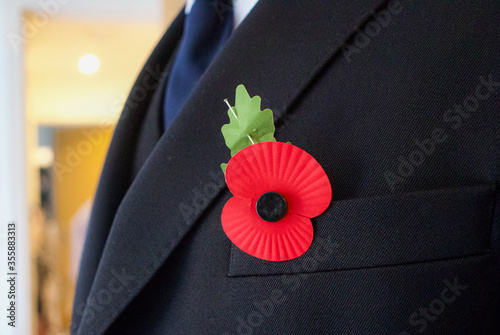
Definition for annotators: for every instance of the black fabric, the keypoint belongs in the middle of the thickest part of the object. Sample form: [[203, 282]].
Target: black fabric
[[404, 119], [370, 232]]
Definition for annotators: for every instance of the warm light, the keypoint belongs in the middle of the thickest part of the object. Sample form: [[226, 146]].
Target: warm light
[[88, 64], [43, 156]]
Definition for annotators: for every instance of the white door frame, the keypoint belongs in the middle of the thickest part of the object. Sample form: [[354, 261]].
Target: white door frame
[[13, 175]]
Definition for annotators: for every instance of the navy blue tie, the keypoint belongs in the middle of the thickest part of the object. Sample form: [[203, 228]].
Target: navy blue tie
[[206, 28]]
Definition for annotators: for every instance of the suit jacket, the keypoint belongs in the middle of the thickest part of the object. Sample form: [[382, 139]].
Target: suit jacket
[[398, 101]]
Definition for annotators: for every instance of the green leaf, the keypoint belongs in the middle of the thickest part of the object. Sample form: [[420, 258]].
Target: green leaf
[[250, 122], [223, 167]]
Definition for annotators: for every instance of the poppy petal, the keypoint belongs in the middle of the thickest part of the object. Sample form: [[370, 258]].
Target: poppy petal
[[282, 168], [273, 241]]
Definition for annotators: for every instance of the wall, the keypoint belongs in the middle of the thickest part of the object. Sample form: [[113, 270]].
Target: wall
[[78, 154]]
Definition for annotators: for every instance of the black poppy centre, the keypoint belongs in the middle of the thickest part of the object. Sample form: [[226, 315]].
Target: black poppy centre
[[271, 207]]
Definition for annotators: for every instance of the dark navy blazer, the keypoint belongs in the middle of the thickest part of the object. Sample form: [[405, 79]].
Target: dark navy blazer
[[399, 102]]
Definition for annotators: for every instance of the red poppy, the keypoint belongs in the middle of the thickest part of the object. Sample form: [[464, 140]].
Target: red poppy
[[277, 188]]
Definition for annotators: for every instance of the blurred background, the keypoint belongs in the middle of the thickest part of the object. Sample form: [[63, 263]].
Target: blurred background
[[66, 67]]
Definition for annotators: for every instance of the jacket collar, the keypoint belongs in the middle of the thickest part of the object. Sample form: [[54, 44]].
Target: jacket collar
[[279, 48]]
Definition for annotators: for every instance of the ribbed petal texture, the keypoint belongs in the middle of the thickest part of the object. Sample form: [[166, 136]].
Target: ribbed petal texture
[[285, 169]]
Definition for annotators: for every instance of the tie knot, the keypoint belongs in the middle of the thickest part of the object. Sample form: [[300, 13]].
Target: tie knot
[[222, 8]]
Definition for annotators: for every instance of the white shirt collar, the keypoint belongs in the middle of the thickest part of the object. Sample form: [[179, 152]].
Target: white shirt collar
[[241, 8]]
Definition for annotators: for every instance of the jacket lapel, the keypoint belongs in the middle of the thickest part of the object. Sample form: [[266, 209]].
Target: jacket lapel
[[279, 48]]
